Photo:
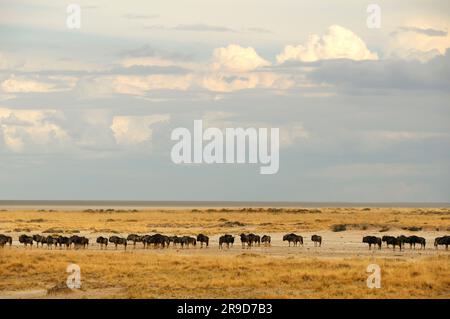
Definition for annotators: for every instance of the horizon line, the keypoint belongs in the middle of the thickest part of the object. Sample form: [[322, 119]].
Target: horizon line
[[214, 203]]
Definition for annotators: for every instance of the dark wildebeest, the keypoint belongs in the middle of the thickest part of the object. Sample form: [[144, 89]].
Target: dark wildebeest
[[186, 241], [385, 239], [156, 240], [135, 239], [175, 240], [317, 240], [413, 240], [248, 239], [145, 240], [2, 242], [203, 239], [226, 239], [256, 239], [372, 240], [39, 239], [445, 241], [50, 241], [78, 241], [5, 240], [266, 240], [102, 241], [394, 241], [63, 240], [403, 240], [116, 240], [293, 238], [244, 239], [26, 240]]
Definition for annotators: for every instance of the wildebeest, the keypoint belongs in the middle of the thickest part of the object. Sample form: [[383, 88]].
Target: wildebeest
[[372, 240], [445, 240], [265, 239], [175, 240], [156, 240], [254, 239], [203, 239], [2, 242], [116, 240], [39, 239], [102, 241], [135, 239], [78, 241], [226, 239], [50, 241], [394, 241], [245, 240], [186, 241], [317, 240], [5, 240], [26, 240], [63, 240], [296, 239], [413, 240]]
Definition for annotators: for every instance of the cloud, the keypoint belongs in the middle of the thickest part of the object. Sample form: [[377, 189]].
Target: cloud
[[131, 130], [218, 82], [407, 135], [418, 43], [290, 133], [235, 58], [425, 31], [389, 74], [30, 128], [138, 85], [37, 85], [202, 28], [258, 30], [338, 43], [192, 28]]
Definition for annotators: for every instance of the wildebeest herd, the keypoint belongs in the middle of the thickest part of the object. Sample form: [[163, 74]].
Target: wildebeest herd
[[401, 241], [247, 241], [52, 241]]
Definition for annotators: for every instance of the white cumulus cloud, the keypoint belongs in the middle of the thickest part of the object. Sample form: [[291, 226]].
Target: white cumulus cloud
[[129, 130], [235, 58], [30, 128], [338, 43]]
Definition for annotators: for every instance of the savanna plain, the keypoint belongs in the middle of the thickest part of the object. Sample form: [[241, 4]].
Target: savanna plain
[[337, 269]]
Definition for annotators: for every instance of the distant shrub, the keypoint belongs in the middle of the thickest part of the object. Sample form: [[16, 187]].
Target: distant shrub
[[53, 231], [413, 228], [38, 220], [232, 224], [339, 227]]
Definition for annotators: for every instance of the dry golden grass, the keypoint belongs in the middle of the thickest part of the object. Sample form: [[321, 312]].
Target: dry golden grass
[[216, 221], [247, 275], [337, 270]]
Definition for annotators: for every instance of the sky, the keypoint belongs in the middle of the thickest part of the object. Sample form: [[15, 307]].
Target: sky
[[363, 112]]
